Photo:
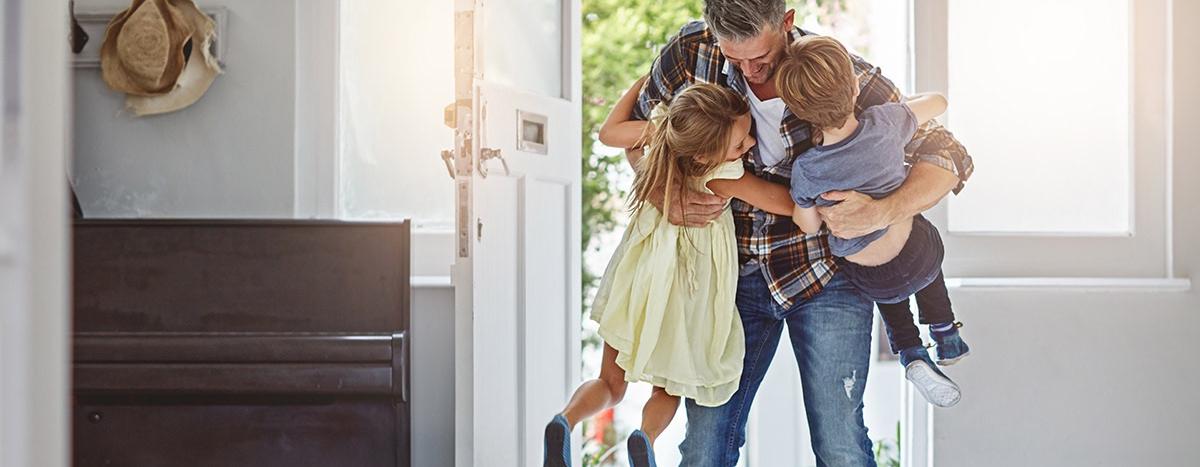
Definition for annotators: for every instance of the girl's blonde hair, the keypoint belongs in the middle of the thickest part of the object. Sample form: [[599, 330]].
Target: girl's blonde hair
[[690, 140]]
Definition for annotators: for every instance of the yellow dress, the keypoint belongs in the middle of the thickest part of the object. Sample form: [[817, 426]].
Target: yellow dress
[[666, 303]]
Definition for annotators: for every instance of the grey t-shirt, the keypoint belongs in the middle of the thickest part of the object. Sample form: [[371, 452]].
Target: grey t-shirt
[[870, 161]]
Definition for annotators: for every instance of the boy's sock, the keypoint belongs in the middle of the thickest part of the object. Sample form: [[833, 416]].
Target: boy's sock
[[941, 328]]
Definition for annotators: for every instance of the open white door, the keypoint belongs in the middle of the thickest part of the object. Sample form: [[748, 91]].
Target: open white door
[[517, 185]]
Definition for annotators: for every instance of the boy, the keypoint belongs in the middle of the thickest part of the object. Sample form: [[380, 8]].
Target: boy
[[865, 153]]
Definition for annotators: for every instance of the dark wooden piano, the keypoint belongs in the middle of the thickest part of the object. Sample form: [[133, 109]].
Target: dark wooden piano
[[241, 343]]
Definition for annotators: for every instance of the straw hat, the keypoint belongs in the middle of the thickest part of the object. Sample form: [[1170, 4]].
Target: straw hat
[[144, 55]]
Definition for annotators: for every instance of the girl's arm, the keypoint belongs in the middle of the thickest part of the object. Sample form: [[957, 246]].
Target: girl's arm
[[619, 129], [770, 197], [807, 219], [926, 105]]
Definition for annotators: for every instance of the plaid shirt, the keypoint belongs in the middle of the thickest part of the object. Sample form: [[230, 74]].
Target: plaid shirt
[[796, 266]]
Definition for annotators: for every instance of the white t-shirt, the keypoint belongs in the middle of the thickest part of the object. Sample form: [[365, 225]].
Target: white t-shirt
[[768, 116]]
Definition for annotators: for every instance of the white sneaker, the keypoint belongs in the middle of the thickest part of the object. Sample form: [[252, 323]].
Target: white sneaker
[[932, 384]]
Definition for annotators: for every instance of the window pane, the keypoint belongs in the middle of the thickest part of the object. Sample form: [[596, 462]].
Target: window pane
[[523, 45], [396, 63], [1039, 94]]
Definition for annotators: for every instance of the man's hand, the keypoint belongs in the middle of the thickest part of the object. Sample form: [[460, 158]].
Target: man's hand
[[700, 208], [856, 215]]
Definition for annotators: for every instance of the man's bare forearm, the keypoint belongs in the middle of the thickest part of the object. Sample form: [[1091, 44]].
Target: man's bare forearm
[[925, 186]]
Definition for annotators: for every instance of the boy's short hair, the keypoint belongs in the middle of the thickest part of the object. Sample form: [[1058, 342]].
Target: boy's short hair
[[816, 80]]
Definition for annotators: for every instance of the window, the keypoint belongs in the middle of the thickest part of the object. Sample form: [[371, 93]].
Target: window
[[1066, 120], [1043, 100], [390, 111]]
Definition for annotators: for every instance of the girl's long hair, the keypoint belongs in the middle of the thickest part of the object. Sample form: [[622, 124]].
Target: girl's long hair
[[687, 142]]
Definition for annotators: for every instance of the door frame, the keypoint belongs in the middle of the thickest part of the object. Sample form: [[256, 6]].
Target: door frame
[[34, 315]]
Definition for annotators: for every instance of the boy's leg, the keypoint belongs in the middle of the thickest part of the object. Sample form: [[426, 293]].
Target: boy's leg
[[831, 337], [935, 310], [714, 434], [898, 321], [933, 303]]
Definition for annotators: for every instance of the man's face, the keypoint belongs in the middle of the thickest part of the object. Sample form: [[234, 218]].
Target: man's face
[[756, 57]]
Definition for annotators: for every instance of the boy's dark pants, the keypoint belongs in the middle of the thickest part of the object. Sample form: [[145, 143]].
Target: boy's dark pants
[[917, 269], [933, 305]]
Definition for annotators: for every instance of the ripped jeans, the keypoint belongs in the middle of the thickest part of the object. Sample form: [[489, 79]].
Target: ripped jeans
[[831, 339]]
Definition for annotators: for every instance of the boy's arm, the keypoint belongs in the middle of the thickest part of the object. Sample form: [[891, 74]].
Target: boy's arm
[[770, 197], [926, 106], [807, 219], [620, 130]]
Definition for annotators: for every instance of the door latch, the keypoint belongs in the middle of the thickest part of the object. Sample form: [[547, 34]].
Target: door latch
[[486, 154]]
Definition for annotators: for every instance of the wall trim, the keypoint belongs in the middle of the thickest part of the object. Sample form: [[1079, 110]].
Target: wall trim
[[432, 282], [1096, 284]]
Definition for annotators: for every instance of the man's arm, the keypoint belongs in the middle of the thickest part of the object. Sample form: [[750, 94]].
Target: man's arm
[[858, 214], [940, 164]]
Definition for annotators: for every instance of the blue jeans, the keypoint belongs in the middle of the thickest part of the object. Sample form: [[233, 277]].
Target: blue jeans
[[831, 338]]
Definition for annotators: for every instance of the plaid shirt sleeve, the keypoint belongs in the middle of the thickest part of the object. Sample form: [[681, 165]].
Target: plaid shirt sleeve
[[670, 73], [932, 143]]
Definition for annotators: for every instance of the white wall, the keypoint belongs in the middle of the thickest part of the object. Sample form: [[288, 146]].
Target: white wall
[[432, 349], [1074, 378], [228, 155]]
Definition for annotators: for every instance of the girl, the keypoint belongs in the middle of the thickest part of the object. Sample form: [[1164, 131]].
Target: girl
[[666, 303]]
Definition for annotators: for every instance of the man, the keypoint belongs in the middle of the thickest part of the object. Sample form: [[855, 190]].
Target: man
[[787, 277]]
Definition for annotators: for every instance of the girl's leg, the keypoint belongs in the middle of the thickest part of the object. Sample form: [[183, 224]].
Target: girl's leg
[[658, 412], [598, 394]]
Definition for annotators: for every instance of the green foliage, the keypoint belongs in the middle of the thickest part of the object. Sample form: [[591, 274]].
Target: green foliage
[[887, 451], [620, 40]]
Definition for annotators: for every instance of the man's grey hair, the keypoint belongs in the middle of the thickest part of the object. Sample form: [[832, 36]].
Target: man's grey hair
[[738, 20]]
